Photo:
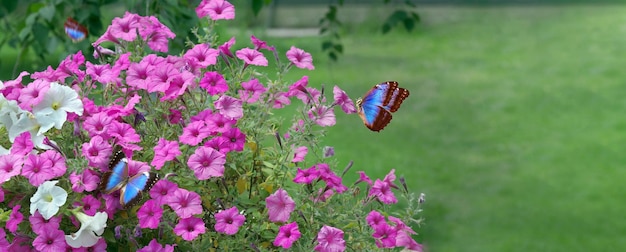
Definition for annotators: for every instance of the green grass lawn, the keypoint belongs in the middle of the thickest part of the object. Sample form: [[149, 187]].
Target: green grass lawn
[[515, 127]]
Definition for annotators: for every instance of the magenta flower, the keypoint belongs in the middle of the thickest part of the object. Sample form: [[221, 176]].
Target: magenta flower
[[154, 246], [220, 144], [164, 151], [32, 94], [385, 235], [40, 225], [218, 123], [299, 154], [332, 180], [260, 44], [300, 58], [287, 235], [3, 239], [22, 145], [15, 218], [281, 100], [163, 191], [194, 133], [101, 73], [139, 74], [251, 57], [189, 228], [228, 221], [235, 139], [89, 204], [161, 77], [201, 55], [298, 88], [382, 191], [214, 83], [97, 152], [323, 116], [229, 107], [374, 218], [216, 9], [98, 125], [206, 162], [50, 240], [149, 214], [87, 181], [342, 99], [125, 28], [364, 178], [252, 90], [37, 169], [185, 203], [279, 206], [330, 239], [58, 162], [306, 176], [10, 165], [404, 240], [125, 134], [178, 85], [225, 48], [390, 178]]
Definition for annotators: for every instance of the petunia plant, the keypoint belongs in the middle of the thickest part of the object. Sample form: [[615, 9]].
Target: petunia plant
[[201, 143]]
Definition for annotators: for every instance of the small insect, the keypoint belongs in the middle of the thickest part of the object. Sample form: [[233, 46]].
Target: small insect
[[376, 107], [74, 30], [131, 188]]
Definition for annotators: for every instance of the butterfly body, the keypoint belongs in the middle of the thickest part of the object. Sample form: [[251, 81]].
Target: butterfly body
[[377, 105], [131, 188], [74, 30]]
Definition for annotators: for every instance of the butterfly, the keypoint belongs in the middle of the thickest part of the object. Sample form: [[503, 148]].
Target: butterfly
[[74, 30], [376, 107], [131, 188]]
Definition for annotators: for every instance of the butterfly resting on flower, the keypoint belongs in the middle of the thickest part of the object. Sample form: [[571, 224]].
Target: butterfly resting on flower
[[376, 107], [131, 188]]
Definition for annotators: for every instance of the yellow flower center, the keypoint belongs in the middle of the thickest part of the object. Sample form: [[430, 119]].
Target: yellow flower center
[[56, 105], [48, 198]]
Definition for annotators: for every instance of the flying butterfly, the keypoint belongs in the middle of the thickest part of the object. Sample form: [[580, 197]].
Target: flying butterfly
[[74, 30], [376, 107], [131, 188]]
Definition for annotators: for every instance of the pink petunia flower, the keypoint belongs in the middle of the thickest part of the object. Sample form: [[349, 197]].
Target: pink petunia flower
[[385, 235], [178, 85], [279, 206], [154, 246], [214, 83], [87, 181], [252, 90], [260, 44], [201, 55], [332, 180], [229, 107], [164, 151], [382, 191], [101, 73], [300, 58], [280, 100], [194, 133], [323, 116], [235, 139], [51, 239], [98, 125], [330, 239], [299, 154], [342, 99], [390, 178], [23, 144], [139, 74], [220, 144], [225, 48], [287, 235], [218, 123], [89, 204], [251, 57], [125, 28], [39, 224], [58, 162], [125, 135], [206, 162], [10, 166], [306, 176], [149, 214], [374, 218], [97, 152], [299, 87], [364, 178], [161, 77], [216, 9], [37, 169], [15, 218], [189, 228], [185, 203], [32, 94], [228, 221], [163, 191]]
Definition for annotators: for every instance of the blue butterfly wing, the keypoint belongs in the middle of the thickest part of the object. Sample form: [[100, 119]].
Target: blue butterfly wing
[[116, 179], [135, 186], [378, 104], [371, 105], [74, 30]]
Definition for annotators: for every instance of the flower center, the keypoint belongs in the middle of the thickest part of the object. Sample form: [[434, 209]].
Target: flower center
[[56, 105], [48, 198]]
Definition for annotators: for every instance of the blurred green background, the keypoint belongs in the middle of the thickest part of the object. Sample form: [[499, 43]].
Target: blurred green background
[[515, 127]]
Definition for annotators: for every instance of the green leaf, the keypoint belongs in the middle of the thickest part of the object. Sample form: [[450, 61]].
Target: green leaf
[[326, 45], [47, 12], [257, 5], [409, 24], [9, 6], [338, 47], [393, 19], [415, 16], [332, 56]]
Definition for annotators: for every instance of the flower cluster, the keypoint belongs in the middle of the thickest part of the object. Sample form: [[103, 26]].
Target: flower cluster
[[205, 164]]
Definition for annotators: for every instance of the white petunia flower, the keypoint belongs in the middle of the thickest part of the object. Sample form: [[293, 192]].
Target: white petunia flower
[[28, 122], [48, 199], [91, 227], [56, 103], [8, 112]]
